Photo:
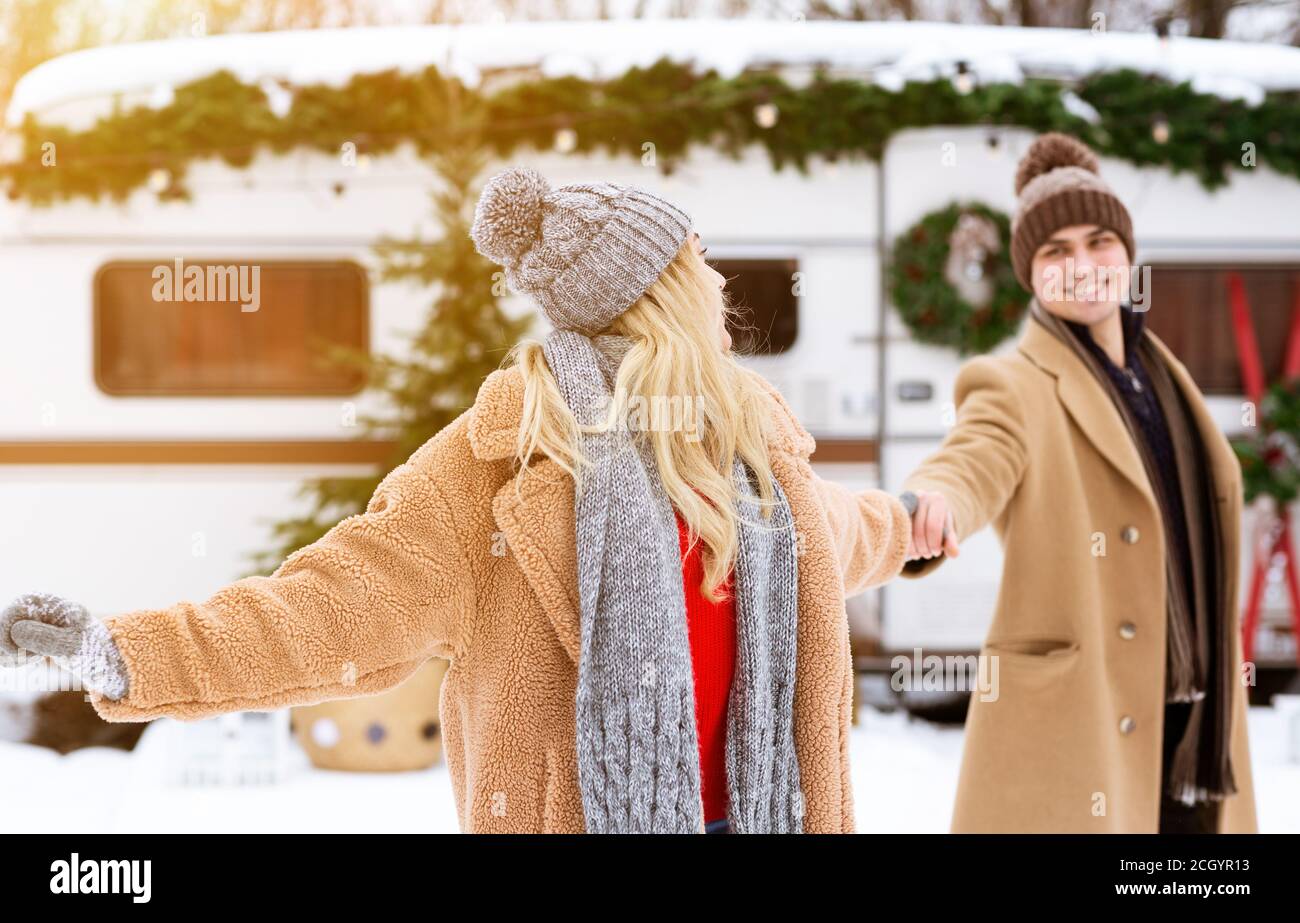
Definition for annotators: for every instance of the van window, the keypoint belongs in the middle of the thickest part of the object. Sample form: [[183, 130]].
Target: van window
[[1191, 312], [228, 327], [765, 292]]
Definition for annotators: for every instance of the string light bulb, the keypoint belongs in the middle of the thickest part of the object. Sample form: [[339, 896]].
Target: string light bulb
[[964, 81], [1160, 130], [162, 96], [1162, 31], [278, 98]]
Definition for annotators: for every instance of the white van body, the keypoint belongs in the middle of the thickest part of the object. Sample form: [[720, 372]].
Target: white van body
[[85, 520]]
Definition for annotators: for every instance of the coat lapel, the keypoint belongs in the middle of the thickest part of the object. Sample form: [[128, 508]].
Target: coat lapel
[[538, 519], [1087, 403], [538, 524], [1090, 407]]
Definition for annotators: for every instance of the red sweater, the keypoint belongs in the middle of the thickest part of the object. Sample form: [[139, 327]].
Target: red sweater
[[712, 629]]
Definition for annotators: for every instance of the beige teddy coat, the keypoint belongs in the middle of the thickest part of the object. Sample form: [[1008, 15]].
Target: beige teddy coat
[[449, 561]]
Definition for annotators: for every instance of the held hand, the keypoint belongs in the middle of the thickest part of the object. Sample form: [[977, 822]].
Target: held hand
[[933, 530], [46, 625]]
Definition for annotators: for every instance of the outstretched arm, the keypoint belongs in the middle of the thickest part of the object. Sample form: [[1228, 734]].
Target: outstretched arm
[[976, 469], [354, 613], [870, 529]]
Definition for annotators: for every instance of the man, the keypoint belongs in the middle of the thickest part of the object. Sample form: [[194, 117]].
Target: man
[[1120, 704]]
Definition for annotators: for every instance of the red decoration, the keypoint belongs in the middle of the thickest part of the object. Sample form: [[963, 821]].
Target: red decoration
[[1279, 540]]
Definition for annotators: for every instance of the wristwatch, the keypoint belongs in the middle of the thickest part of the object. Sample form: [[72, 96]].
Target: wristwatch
[[909, 502]]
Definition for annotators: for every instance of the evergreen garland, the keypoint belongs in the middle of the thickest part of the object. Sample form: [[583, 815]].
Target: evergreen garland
[[668, 104]]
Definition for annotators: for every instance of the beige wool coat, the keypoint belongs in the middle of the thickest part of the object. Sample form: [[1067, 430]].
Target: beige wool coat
[[448, 561], [1073, 741]]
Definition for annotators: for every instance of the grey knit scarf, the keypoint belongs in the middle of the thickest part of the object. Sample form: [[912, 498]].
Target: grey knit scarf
[[638, 748]]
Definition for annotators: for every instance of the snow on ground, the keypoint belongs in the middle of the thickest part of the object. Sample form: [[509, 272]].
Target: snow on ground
[[904, 780]]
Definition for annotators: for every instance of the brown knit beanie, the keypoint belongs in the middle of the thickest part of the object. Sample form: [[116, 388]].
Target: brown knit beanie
[[585, 252], [1058, 185]]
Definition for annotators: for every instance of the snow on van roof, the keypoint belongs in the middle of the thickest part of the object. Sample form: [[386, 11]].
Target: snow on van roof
[[892, 52]]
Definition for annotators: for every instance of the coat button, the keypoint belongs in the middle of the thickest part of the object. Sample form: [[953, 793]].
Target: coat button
[[1128, 631], [1129, 535], [1127, 724]]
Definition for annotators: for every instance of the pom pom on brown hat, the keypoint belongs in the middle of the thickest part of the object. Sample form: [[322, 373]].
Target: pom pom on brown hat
[[1059, 184], [585, 252]]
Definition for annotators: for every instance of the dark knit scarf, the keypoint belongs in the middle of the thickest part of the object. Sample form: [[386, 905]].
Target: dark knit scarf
[[1199, 627]]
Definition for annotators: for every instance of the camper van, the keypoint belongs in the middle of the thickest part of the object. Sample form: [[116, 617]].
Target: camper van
[[139, 466]]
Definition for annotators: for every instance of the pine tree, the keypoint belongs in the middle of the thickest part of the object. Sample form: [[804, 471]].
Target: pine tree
[[464, 336]]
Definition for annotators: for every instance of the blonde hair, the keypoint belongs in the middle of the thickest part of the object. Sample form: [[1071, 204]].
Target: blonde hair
[[674, 360]]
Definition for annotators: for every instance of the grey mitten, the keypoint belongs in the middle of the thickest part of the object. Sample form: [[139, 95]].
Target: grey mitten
[[47, 625]]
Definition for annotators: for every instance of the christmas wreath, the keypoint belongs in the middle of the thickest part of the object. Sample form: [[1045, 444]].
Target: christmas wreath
[[952, 282], [1270, 461]]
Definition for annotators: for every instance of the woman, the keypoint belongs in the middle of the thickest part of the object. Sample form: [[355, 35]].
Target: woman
[[571, 550], [1121, 704]]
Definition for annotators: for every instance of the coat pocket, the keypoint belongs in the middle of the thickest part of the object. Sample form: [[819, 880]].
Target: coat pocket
[[1034, 651], [1030, 665]]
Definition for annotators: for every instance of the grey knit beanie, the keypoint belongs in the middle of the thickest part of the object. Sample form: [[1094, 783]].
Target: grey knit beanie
[[1058, 184], [586, 252]]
